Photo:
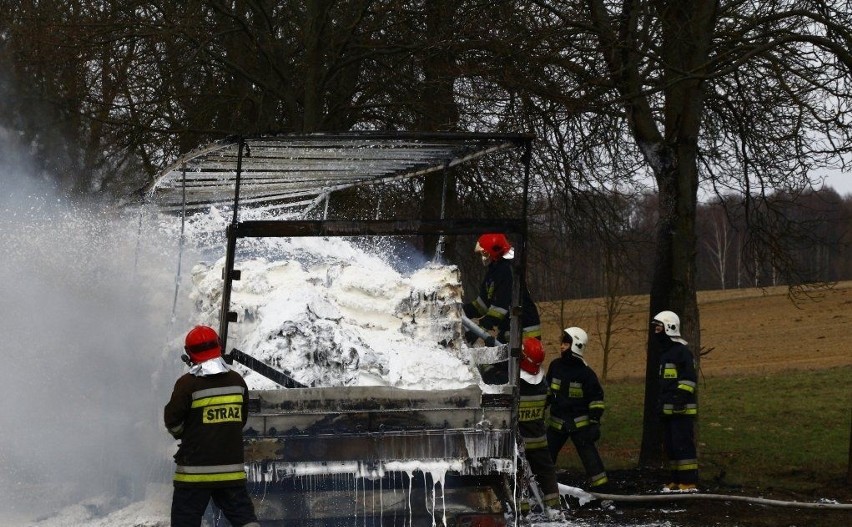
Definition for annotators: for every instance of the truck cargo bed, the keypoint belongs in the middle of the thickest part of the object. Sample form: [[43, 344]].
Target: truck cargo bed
[[383, 455]]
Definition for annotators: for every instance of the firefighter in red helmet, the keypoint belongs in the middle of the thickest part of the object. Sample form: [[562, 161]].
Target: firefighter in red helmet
[[207, 413], [532, 388], [492, 304]]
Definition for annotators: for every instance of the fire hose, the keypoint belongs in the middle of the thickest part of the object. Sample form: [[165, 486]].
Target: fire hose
[[586, 497], [474, 328]]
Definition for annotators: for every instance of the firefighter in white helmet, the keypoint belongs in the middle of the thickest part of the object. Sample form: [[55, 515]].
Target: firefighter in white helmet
[[576, 401], [677, 403]]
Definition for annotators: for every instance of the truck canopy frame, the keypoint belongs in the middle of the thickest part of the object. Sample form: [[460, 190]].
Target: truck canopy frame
[[351, 429], [300, 171], [297, 172]]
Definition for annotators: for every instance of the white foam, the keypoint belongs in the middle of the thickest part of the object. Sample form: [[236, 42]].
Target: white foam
[[338, 316]]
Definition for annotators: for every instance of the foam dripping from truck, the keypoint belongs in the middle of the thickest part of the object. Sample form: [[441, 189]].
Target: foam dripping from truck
[[393, 488], [484, 451], [366, 481]]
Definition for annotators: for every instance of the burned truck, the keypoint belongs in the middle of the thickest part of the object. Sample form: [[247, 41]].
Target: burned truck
[[351, 454]]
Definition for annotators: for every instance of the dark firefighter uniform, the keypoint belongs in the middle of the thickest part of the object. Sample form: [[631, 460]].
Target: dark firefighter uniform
[[677, 404], [495, 300], [531, 427], [576, 401], [207, 413]]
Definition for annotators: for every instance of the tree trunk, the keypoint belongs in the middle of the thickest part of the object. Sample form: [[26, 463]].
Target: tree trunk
[[687, 33], [438, 112], [849, 466], [315, 63], [672, 288]]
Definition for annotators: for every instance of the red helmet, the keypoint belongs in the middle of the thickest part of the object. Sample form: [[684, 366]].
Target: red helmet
[[202, 343], [493, 245], [533, 356]]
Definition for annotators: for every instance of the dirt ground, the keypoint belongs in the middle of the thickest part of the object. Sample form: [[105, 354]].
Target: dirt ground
[[743, 331]]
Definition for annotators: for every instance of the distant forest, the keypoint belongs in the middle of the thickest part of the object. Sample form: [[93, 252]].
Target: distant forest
[[735, 249]]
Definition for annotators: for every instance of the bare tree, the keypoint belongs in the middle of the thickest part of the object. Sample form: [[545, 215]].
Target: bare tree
[[738, 94], [614, 303], [719, 244], [436, 109]]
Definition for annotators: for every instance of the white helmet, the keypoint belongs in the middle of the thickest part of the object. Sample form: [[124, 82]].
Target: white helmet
[[670, 322], [578, 339]]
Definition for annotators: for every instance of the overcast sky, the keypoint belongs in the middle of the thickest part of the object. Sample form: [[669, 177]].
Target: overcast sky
[[840, 182]]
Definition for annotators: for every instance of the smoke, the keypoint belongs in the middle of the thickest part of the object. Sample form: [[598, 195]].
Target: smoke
[[88, 347]]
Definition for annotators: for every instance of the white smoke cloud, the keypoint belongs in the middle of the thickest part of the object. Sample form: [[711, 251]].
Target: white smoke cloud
[[88, 363]]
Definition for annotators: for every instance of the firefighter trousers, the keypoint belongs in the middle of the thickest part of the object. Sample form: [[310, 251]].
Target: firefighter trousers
[[189, 504], [542, 467], [679, 443], [586, 450]]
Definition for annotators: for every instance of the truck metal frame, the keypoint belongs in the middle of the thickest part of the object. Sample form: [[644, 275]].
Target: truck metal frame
[[361, 455]]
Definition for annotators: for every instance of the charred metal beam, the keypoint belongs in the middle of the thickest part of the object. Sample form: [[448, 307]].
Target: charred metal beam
[[472, 446], [272, 228], [264, 369]]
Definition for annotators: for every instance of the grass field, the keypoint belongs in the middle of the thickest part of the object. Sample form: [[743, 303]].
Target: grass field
[[775, 392], [786, 430]]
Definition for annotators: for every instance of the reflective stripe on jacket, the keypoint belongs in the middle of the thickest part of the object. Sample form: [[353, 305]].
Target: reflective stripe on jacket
[[575, 395], [533, 398], [678, 381], [207, 414]]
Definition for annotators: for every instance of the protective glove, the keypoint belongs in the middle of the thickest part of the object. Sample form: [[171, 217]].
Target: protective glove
[[588, 434], [490, 341], [489, 323], [679, 403], [594, 432]]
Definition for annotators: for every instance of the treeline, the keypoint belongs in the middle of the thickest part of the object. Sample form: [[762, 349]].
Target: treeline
[[735, 249], [101, 95]]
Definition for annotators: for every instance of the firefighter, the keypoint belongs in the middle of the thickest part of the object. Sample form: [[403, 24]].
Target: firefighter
[[531, 427], [677, 403], [492, 305], [207, 412], [576, 401]]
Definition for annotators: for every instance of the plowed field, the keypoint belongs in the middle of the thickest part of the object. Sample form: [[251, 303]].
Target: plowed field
[[743, 331]]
